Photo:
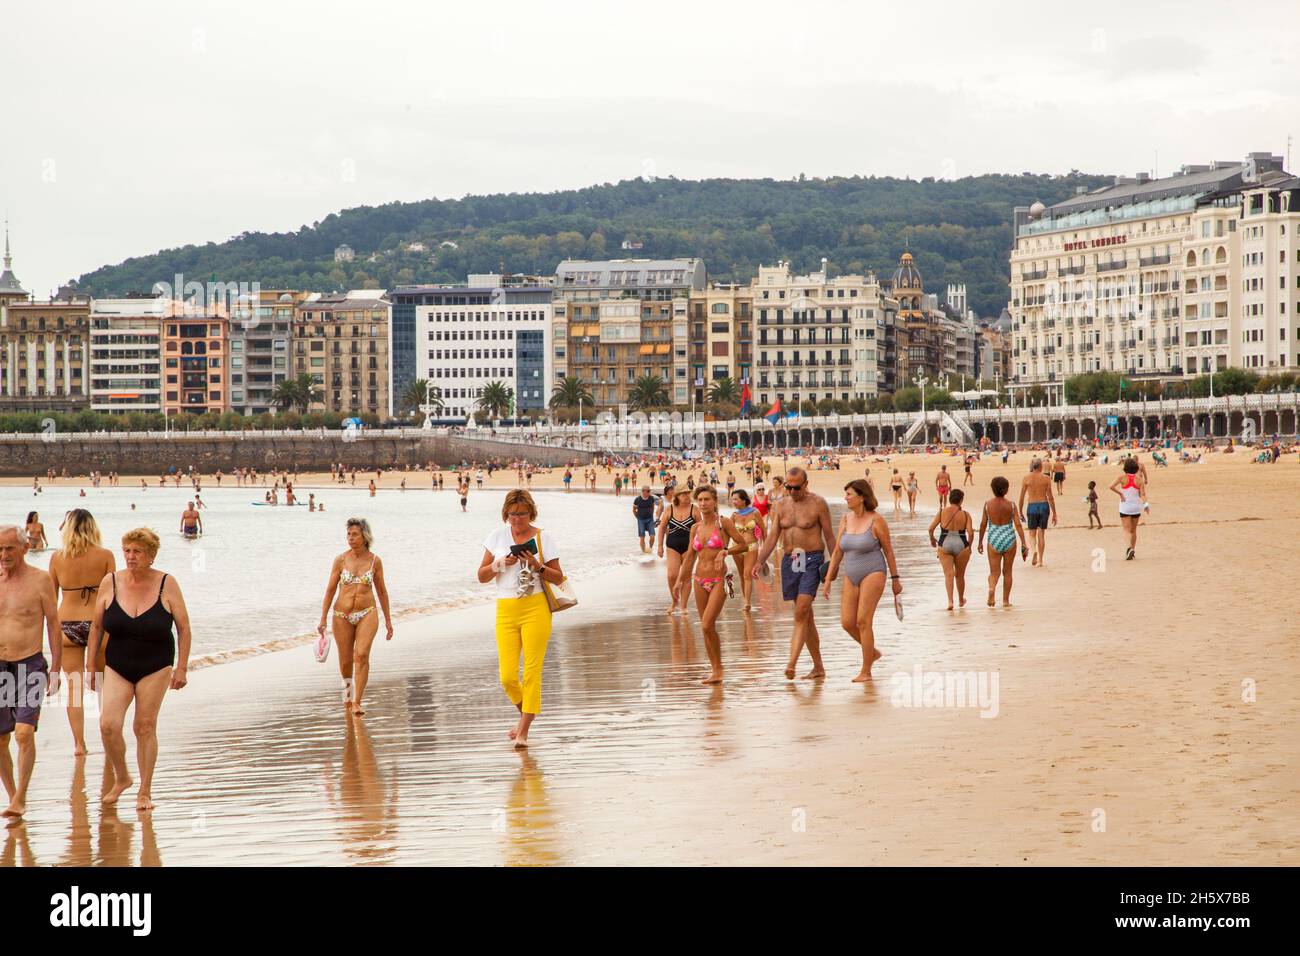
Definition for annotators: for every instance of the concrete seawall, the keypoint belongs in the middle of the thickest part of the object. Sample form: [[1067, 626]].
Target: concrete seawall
[[154, 455]]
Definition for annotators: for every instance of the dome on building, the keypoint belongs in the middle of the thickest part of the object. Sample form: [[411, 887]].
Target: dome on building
[[1037, 209], [907, 276]]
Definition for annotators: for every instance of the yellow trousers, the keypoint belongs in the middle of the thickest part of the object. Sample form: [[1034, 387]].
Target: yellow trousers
[[523, 624]]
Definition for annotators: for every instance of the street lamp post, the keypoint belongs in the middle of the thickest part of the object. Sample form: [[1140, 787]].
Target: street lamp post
[[922, 381]]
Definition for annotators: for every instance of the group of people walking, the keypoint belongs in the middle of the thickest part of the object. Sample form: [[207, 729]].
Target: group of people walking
[[125, 633]]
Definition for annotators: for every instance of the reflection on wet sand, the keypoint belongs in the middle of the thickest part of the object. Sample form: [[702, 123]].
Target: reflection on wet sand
[[527, 821], [365, 797]]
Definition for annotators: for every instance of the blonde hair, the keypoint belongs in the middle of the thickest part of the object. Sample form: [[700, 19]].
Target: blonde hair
[[80, 533], [143, 537], [518, 497]]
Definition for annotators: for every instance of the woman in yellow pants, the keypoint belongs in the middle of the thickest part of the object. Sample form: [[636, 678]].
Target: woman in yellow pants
[[518, 557]]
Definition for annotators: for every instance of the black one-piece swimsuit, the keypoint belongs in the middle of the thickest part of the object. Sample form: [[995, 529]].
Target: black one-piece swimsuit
[[142, 645]]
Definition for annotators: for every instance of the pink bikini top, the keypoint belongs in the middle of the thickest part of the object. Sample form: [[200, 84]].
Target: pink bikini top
[[715, 541]]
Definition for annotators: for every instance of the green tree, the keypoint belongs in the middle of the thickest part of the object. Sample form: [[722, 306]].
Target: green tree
[[496, 400], [416, 394], [724, 391], [569, 392], [648, 391]]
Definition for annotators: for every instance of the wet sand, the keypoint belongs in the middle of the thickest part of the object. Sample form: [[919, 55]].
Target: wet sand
[[1120, 693]]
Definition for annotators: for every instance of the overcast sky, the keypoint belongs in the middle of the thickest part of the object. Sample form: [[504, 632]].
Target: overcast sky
[[132, 127]]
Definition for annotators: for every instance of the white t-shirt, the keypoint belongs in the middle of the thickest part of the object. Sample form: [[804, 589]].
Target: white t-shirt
[[499, 543]]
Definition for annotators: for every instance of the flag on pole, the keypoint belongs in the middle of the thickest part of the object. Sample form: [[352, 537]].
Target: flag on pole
[[792, 414], [746, 401], [774, 413]]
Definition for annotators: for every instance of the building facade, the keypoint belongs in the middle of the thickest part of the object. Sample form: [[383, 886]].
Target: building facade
[[195, 349], [1100, 281], [341, 341], [721, 337], [1241, 279], [818, 338], [126, 354], [261, 349], [618, 320], [492, 329], [44, 355], [926, 341]]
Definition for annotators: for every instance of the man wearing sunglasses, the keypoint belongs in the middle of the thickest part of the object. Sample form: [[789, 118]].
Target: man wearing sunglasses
[[803, 521]]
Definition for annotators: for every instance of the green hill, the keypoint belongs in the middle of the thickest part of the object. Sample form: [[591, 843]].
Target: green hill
[[958, 231]]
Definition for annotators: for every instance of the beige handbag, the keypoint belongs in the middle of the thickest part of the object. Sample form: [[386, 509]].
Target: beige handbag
[[559, 597]]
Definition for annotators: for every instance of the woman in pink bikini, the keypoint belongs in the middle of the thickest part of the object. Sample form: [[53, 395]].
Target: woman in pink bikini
[[358, 578], [713, 539]]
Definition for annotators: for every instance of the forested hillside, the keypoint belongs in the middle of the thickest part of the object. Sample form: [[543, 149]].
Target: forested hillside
[[958, 231]]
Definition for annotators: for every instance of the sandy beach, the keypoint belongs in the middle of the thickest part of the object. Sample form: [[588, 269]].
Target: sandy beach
[[1145, 714]]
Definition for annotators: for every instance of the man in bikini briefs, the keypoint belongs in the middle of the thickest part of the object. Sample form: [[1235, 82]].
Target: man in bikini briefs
[[1042, 507], [27, 600], [803, 529]]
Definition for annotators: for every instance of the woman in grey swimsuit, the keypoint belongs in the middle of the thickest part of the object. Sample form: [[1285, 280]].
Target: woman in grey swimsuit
[[953, 547], [863, 547]]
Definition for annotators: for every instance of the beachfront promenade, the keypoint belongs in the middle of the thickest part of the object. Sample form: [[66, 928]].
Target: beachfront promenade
[[1239, 416]]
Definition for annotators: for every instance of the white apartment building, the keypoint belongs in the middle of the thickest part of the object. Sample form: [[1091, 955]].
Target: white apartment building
[[1098, 281], [1260, 261], [126, 354], [485, 331], [816, 336]]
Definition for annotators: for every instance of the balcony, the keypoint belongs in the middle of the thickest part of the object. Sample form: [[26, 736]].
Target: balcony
[[1112, 266], [1071, 271], [1033, 276], [1147, 262]]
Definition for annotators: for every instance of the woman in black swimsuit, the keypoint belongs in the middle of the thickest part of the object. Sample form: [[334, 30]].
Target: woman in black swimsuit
[[675, 531], [140, 656]]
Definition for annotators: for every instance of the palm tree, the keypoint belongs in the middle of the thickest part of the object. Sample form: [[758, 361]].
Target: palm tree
[[497, 399], [648, 391], [307, 391], [569, 391], [419, 393], [285, 394], [724, 391]]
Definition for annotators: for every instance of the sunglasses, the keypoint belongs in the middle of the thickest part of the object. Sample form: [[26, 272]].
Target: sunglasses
[[790, 487]]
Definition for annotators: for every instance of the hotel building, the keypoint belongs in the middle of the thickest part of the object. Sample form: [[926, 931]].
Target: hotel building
[[341, 341], [818, 338], [620, 319], [492, 329], [1098, 281], [1241, 279]]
